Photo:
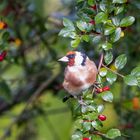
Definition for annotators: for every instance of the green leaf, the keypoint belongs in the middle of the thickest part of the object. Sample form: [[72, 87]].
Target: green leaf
[[120, 61], [97, 124], [5, 36], [103, 7], [116, 35], [136, 72], [75, 43], [138, 80], [100, 108], [127, 21], [107, 46], [99, 78], [91, 2], [5, 91], [115, 21], [84, 26], [65, 32], [103, 72], [78, 124], [69, 30], [131, 80], [108, 57], [90, 116], [68, 24], [96, 137], [97, 39], [109, 30], [84, 109], [119, 9], [85, 38], [77, 135], [86, 126], [101, 17], [107, 96], [81, 25], [119, 1], [111, 77], [113, 133]]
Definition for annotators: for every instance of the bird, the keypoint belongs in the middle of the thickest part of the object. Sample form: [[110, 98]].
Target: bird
[[80, 72]]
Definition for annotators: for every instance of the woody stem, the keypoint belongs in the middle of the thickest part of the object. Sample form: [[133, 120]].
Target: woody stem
[[113, 71], [101, 61]]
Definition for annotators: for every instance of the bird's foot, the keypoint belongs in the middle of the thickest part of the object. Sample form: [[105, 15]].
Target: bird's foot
[[96, 85], [67, 97], [81, 102]]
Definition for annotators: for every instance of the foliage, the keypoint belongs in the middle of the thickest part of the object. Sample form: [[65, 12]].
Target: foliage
[[31, 95], [105, 21]]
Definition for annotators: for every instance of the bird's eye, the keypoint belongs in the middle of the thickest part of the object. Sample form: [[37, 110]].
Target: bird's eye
[[70, 56]]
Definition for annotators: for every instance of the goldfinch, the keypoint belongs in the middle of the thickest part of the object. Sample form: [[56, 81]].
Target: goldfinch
[[80, 73]]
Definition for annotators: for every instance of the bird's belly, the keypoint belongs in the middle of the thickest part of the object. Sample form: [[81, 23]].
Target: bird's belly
[[75, 90], [78, 79]]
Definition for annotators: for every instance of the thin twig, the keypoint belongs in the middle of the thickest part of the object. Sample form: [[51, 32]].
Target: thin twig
[[97, 133], [113, 71], [100, 62]]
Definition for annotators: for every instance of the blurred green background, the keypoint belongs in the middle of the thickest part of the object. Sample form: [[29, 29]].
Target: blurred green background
[[31, 67]]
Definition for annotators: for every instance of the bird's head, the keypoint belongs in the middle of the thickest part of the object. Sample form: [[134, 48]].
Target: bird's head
[[74, 58]]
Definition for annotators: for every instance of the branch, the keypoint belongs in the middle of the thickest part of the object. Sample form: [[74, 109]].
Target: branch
[[113, 71], [97, 133], [100, 62]]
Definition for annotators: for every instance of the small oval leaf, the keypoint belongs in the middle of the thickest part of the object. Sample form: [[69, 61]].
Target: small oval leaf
[[101, 17], [131, 80], [108, 57], [120, 61], [107, 96], [127, 21], [113, 133], [111, 77]]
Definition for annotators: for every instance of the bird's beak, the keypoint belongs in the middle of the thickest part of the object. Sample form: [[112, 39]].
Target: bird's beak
[[64, 59]]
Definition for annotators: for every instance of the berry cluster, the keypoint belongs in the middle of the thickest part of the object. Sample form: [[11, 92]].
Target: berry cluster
[[99, 90]]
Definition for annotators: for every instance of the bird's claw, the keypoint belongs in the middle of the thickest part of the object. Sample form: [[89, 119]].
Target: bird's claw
[[67, 97]]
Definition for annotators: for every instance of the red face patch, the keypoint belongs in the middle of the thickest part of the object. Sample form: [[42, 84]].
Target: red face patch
[[71, 62], [71, 57]]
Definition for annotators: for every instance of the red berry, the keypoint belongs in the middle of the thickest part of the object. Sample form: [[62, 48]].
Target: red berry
[[94, 7], [1, 58], [102, 117], [106, 88], [92, 22], [3, 55], [99, 90], [86, 138], [5, 26]]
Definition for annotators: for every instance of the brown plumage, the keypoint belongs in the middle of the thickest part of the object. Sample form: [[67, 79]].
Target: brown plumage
[[80, 73]]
